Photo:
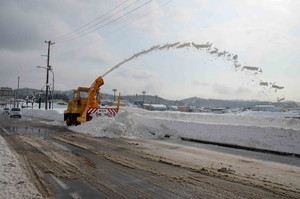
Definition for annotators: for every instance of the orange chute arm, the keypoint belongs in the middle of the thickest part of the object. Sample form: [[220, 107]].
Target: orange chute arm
[[91, 102], [94, 89]]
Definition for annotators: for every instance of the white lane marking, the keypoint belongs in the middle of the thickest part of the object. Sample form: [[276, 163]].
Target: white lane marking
[[75, 195], [61, 183], [8, 133]]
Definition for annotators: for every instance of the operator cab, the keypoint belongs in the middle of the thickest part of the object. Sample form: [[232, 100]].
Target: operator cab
[[83, 93]]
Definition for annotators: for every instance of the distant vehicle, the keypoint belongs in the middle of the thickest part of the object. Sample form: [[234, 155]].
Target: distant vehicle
[[15, 112], [6, 111]]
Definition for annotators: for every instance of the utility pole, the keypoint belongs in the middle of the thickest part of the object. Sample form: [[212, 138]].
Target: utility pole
[[18, 91], [40, 98], [48, 68]]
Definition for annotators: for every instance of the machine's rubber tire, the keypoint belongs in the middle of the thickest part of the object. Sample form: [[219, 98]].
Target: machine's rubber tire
[[69, 120], [74, 119]]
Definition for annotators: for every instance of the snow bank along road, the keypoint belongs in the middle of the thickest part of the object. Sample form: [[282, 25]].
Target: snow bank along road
[[64, 164], [270, 132]]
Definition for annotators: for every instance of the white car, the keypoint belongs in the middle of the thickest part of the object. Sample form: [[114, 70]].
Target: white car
[[6, 111], [15, 112]]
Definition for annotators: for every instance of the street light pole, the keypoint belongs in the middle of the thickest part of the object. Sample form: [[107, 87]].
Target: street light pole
[[114, 90], [144, 92], [18, 91]]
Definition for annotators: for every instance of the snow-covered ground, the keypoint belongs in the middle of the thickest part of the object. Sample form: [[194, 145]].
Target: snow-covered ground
[[263, 130], [13, 181]]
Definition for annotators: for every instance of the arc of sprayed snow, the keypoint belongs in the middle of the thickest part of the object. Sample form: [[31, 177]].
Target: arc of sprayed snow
[[158, 47], [222, 53], [198, 46], [237, 65], [280, 99], [167, 46], [132, 57], [264, 83], [179, 45], [215, 51], [277, 87], [235, 57], [184, 45], [252, 68]]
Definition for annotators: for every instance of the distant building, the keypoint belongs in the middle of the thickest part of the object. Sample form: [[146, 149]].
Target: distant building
[[172, 108], [218, 110], [138, 102], [196, 109], [155, 107], [6, 93], [263, 107], [183, 108]]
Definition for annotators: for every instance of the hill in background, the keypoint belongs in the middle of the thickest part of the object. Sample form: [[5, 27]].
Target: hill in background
[[149, 99]]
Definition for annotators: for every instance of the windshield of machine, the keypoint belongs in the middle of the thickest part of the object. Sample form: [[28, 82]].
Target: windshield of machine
[[84, 94]]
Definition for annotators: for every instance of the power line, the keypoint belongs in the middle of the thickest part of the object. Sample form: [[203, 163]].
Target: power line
[[109, 22], [122, 27], [105, 19], [79, 28]]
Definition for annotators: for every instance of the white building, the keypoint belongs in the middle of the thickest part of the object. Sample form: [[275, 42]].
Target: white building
[[155, 107], [263, 107]]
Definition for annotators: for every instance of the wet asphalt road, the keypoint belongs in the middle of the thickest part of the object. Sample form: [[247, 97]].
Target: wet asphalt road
[[91, 176], [62, 188]]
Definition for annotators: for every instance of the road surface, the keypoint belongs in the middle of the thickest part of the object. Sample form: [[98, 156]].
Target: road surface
[[64, 164]]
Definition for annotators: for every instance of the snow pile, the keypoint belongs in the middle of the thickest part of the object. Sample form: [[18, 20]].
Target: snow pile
[[263, 132], [102, 127], [13, 181], [289, 114], [248, 118], [55, 114], [282, 139], [270, 131]]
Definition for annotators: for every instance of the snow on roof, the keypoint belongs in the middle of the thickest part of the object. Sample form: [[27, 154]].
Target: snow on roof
[[158, 106], [264, 106]]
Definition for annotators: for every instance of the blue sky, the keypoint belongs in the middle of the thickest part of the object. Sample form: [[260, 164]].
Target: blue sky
[[262, 33]]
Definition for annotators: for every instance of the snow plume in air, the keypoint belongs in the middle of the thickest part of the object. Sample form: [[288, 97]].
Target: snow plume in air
[[280, 99], [277, 87], [178, 45], [264, 83], [198, 46], [209, 49], [252, 68]]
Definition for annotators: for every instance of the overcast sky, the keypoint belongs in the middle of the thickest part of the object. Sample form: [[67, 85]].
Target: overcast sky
[[263, 33]]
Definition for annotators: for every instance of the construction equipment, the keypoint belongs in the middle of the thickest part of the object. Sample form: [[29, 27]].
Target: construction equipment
[[85, 103]]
